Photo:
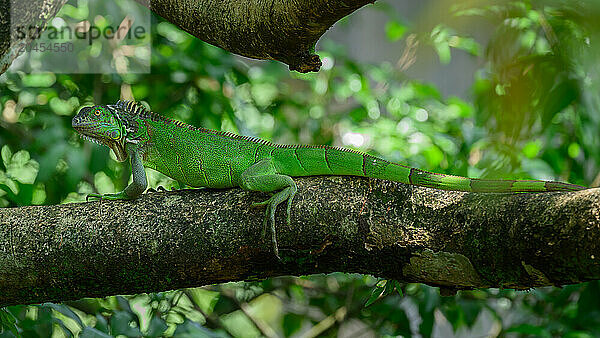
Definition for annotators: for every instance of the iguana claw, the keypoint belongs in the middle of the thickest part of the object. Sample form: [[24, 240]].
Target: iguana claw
[[269, 216]]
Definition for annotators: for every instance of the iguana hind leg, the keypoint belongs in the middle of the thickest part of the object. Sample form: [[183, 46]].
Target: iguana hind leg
[[262, 176]]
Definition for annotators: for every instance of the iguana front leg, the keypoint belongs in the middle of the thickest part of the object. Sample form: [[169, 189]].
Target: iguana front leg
[[136, 187], [263, 176]]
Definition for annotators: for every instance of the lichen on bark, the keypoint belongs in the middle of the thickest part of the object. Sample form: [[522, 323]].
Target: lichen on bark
[[443, 268]]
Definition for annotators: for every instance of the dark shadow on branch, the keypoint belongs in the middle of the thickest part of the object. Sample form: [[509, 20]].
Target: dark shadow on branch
[[172, 240]]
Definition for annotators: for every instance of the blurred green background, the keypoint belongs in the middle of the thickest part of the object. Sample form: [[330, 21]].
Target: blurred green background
[[530, 111]]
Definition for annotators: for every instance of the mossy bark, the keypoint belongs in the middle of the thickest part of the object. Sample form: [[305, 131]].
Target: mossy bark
[[281, 30], [26, 14], [171, 240]]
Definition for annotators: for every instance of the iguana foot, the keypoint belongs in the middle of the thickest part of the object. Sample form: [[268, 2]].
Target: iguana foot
[[271, 207], [263, 176], [269, 220]]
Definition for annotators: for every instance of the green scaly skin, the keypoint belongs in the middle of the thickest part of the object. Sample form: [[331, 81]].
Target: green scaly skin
[[201, 157]]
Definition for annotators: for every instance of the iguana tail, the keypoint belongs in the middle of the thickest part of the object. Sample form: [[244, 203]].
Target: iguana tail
[[320, 160], [424, 178]]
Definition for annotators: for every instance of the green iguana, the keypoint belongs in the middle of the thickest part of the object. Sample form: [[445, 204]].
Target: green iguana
[[200, 157]]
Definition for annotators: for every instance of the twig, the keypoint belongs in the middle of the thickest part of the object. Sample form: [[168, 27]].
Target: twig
[[326, 323], [263, 327]]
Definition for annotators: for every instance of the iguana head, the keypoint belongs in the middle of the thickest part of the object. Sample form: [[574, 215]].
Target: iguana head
[[102, 125]]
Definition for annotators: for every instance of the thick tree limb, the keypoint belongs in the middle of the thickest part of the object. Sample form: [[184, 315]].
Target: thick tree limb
[[281, 30], [31, 16], [173, 240]]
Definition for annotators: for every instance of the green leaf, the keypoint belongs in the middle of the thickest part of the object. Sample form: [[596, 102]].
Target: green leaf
[[6, 155], [8, 183], [65, 310], [389, 287], [578, 334], [529, 329], [574, 150], [469, 45], [103, 183], [377, 291], [8, 322], [121, 324], [395, 30], [398, 287], [205, 299], [90, 332], [101, 323], [291, 323], [439, 39], [559, 98], [443, 51], [433, 155], [61, 107], [22, 168], [157, 327], [588, 307], [462, 108], [39, 80], [532, 149], [500, 90], [190, 329]]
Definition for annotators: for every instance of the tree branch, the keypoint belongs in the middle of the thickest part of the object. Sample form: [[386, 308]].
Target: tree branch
[[281, 30], [26, 15], [173, 240]]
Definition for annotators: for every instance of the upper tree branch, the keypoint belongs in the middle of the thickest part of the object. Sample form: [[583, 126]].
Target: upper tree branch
[[281, 30], [31, 16], [190, 238]]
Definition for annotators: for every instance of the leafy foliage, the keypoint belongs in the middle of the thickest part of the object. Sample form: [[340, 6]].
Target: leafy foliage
[[533, 115]]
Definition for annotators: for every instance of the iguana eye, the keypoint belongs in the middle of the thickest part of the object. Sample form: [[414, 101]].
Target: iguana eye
[[97, 112]]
